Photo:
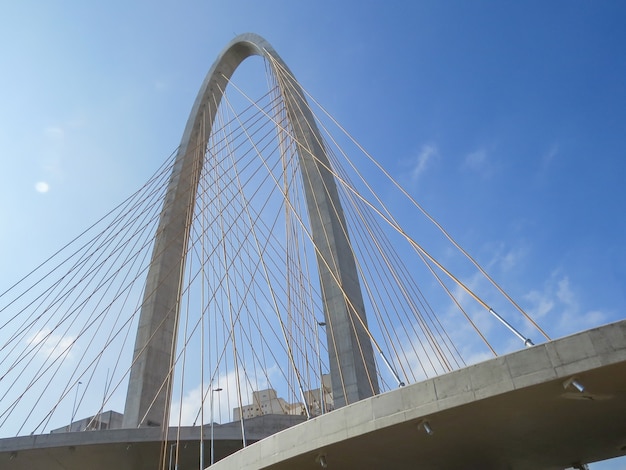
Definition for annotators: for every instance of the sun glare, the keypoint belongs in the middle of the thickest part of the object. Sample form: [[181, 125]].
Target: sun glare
[[42, 187]]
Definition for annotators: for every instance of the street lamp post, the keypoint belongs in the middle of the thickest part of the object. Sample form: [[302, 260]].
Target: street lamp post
[[212, 447], [74, 405], [319, 358], [172, 455]]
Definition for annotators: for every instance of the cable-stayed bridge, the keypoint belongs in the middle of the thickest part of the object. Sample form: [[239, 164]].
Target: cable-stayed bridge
[[259, 283]]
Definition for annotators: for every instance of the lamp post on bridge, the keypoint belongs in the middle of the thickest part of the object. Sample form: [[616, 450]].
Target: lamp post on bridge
[[74, 406], [172, 455], [213, 390], [321, 324]]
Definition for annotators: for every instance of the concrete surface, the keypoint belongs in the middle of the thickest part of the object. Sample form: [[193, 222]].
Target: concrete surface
[[352, 364], [512, 412], [133, 449]]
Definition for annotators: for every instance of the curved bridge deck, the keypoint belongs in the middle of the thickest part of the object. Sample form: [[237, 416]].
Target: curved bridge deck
[[512, 412]]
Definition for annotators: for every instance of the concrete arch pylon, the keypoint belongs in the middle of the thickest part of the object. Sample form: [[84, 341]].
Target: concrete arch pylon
[[351, 357]]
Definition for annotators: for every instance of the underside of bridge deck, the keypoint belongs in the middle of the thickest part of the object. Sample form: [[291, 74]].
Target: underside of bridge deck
[[520, 411]]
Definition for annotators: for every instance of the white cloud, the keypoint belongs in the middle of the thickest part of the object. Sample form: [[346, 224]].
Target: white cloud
[[565, 294], [502, 261], [505, 258], [542, 304], [558, 306], [50, 345], [420, 162], [186, 411], [512, 258], [478, 161], [42, 187], [54, 133]]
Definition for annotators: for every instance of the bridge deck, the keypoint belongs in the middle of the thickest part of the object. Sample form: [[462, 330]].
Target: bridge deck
[[132, 449], [511, 412]]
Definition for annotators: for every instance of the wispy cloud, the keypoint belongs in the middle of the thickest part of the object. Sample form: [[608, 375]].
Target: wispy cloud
[[541, 304], [505, 256], [548, 157], [564, 293], [478, 161], [421, 161], [558, 305], [512, 258], [186, 411], [49, 344], [502, 261], [56, 133]]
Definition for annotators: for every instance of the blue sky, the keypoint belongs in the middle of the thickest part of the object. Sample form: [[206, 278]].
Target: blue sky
[[506, 120]]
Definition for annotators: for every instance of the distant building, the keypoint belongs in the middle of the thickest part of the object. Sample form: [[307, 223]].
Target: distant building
[[312, 397], [264, 402], [107, 420], [267, 402]]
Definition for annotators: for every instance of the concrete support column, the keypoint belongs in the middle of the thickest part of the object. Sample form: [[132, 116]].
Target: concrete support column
[[351, 357]]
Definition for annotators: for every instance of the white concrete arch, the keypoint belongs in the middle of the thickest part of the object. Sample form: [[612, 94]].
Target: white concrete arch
[[352, 362]]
